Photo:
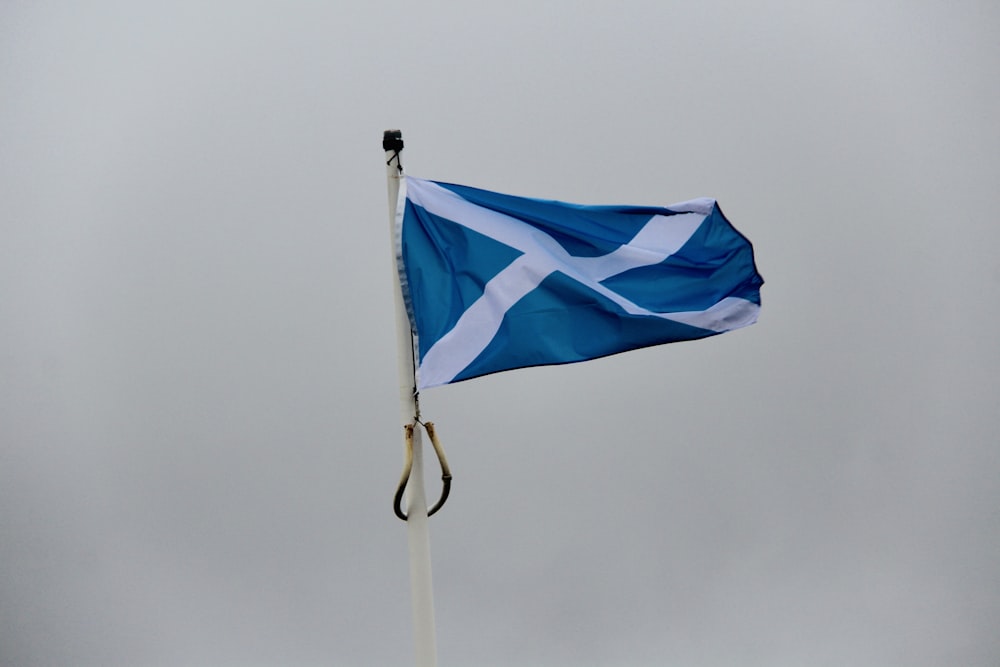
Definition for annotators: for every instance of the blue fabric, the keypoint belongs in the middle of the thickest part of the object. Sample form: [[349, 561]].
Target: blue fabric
[[565, 325], [715, 263], [453, 266], [552, 310], [584, 231]]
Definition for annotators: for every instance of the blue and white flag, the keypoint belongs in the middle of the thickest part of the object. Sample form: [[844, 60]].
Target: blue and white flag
[[494, 282]]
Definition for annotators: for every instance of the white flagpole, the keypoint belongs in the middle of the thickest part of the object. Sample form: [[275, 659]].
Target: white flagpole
[[422, 597]]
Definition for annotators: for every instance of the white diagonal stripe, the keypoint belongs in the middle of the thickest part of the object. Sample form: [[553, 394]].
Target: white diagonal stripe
[[480, 322]]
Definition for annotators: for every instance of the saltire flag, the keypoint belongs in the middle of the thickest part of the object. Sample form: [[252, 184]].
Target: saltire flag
[[494, 282]]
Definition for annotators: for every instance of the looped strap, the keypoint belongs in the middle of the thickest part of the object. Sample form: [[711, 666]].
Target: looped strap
[[397, 503]]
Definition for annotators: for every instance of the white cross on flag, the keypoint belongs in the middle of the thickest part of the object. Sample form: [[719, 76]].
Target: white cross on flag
[[494, 282]]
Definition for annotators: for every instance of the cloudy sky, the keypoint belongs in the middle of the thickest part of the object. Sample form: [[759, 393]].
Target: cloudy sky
[[198, 410]]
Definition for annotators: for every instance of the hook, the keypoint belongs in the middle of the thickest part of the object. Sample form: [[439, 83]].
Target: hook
[[397, 502]]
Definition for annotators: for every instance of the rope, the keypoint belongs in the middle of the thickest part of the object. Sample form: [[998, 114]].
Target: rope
[[407, 466], [397, 502], [445, 470], [398, 159]]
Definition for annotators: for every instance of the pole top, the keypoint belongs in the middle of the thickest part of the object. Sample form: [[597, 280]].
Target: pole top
[[392, 140]]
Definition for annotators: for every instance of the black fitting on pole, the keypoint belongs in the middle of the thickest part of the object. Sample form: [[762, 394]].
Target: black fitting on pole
[[392, 140]]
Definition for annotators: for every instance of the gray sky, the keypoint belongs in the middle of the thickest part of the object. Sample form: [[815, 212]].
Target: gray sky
[[197, 382]]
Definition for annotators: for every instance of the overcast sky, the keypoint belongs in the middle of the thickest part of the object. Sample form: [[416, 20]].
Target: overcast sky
[[198, 409]]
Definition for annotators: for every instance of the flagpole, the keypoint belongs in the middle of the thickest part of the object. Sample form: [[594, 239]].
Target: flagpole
[[421, 590]]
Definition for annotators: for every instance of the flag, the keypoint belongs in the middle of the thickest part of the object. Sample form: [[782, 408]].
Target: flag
[[494, 282]]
